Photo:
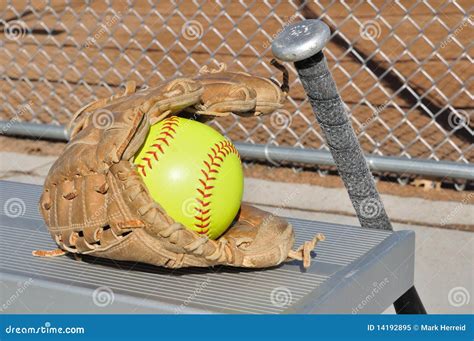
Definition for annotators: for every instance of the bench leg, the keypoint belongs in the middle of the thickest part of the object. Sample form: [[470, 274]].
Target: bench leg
[[409, 303]]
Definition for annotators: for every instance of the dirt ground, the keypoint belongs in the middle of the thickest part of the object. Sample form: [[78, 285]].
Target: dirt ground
[[326, 178]]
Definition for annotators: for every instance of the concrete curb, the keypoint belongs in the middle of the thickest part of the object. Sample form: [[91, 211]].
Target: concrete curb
[[25, 168], [336, 200]]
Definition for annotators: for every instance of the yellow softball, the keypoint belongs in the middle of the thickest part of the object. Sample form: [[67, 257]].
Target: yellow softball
[[194, 173]]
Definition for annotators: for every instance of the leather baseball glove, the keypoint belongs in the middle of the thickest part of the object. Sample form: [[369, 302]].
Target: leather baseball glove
[[94, 201]]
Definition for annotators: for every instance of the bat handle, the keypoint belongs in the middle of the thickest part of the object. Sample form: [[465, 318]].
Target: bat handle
[[302, 43]]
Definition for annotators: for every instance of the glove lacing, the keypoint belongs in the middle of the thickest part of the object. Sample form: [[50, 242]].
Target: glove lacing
[[195, 247], [303, 253]]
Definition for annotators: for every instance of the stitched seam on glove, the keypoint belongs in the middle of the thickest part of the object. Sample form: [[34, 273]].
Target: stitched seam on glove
[[220, 151], [167, 132]]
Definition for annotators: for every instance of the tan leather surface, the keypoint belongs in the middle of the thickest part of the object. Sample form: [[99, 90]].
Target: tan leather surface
[[94, 202]]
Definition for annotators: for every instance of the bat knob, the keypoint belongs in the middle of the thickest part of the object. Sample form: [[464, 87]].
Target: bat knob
[[301, 40]]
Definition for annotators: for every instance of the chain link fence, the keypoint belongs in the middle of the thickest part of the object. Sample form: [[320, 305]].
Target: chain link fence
[[404, 68]]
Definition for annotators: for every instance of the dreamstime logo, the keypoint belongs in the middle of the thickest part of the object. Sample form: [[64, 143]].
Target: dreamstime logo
[[458, 119], [192, 297], [370, 208], [287, 23], [22, 286], [46, 329], [103, 296], [370, 30], [459, 296], [457, 31], [14, 207], [192, 30], [269, 219], [361, 187], [190, 207], [465, 201], [281, 119], [102, 119], [14, 30], [377, 288], [22, 110], [281, 297], [109, 21], [378, 110]]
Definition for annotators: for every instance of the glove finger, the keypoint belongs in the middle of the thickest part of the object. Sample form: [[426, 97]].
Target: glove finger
[[259, 227], [79, 118], [239, 93], [222, 98]]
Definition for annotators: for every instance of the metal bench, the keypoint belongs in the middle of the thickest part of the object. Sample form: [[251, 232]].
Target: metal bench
[[355, 270]]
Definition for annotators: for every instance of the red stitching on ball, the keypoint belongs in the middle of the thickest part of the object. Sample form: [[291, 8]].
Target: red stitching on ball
[[148, 161], [158, 146], [154, 154], [142, 169], [220, 151], [166, 133], [202, 203]]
